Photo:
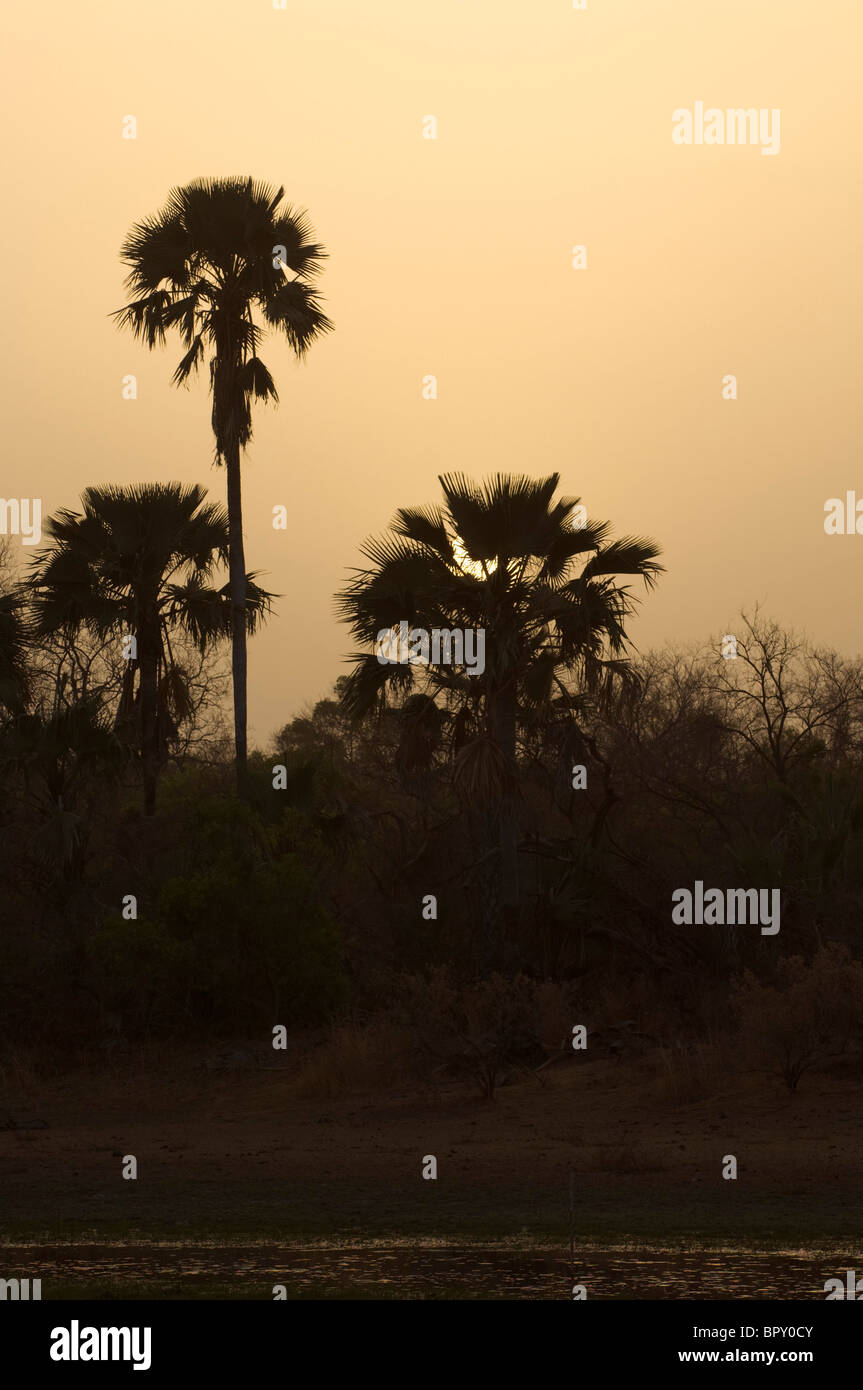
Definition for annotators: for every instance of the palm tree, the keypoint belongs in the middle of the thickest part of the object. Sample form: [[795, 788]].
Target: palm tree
[[137, 562], [219, 250], [14, 675], [504, 558]]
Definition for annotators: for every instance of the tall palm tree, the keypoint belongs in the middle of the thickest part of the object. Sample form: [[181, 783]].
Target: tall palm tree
[[140, 560], [220, 250], [504, 557]]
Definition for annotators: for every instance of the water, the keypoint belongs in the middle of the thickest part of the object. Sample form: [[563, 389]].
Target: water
[[250, 1271]]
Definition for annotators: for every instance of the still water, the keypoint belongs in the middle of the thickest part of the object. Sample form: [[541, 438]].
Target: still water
[[375, 1272]]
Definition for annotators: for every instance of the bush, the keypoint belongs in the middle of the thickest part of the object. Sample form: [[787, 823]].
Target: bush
[[477, 1031], [233, 937], [814, 1012]]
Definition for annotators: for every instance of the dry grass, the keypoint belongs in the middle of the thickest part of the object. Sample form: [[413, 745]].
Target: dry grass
[[692, 1074], [555, 1011], [355, 1056], [20, 1073]]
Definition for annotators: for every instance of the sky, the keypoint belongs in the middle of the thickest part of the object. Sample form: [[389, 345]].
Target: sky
[[453, 257]]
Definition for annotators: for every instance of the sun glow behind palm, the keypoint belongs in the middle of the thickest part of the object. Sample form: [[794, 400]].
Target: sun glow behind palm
[[480, 569]]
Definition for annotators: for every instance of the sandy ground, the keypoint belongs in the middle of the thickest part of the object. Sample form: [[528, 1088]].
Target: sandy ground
[[233, 1154]]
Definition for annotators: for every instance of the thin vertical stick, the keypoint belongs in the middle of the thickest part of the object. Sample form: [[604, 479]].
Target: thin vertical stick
[[572, 1224]]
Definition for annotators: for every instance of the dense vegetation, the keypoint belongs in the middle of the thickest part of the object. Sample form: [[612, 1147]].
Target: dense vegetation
[[481, 853], [304, 898]]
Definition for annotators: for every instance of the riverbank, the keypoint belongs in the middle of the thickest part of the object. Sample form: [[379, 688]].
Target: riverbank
[[237, 1156]]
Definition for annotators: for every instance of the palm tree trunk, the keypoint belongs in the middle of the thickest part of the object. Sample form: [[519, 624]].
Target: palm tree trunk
[[238, 610], [503, 723], [148, 661]]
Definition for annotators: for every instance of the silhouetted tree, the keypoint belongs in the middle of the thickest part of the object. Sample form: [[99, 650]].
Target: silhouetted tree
[[218, 251], [504, 558], [140, 561]]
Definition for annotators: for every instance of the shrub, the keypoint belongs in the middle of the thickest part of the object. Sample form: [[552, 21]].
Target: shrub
[[234, 936], [476, 1031], [814, 1011]]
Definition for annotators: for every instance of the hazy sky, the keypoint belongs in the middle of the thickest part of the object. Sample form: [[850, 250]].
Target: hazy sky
[[453, 257]]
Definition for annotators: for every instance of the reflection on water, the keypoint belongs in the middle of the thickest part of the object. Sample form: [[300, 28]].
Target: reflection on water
[[182, 1271]]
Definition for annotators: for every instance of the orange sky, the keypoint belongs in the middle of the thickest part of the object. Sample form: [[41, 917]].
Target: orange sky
[[453, 257]]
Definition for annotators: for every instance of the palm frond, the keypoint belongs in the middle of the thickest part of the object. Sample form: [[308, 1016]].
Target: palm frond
[[629, 555]]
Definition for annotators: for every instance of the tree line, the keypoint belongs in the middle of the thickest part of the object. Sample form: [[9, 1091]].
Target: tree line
[[547, 806]]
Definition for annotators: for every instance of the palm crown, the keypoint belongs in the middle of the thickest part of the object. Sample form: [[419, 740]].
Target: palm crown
[[141, 559], [218, 250], [504, 557]]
